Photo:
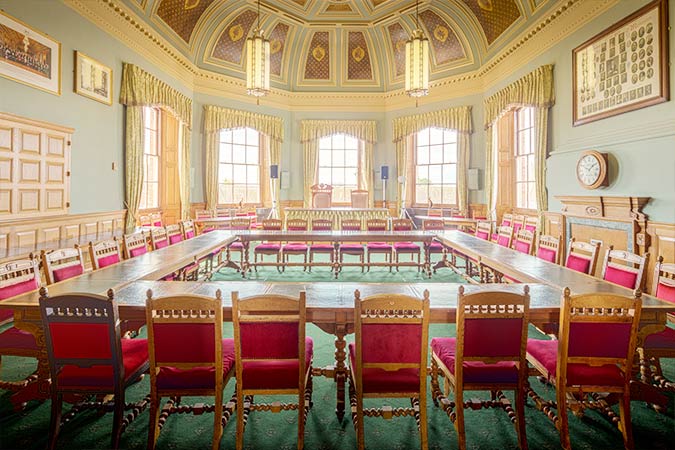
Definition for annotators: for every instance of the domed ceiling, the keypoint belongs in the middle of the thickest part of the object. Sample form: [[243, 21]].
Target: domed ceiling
[[334, 45]]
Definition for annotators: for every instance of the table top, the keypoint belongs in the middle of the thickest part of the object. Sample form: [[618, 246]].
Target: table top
[[202, 220], [336, 236], [448, 219], [336, 209]]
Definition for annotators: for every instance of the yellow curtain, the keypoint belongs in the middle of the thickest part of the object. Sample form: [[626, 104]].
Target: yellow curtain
[[310, 162], [134, 164], [184, 170], [540, 150], [364, 130], [275, 160], [366, 174], [463, 155], [490, 180], [401, 153], [211, 170]]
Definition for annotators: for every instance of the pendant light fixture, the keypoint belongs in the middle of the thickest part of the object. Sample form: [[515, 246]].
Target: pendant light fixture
[[417, 61], [257, 62]]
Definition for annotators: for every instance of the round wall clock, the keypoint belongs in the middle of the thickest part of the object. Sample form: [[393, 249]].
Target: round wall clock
[[592, 169]]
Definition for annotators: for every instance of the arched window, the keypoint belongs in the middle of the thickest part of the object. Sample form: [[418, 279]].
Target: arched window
[[339, 165], [435, 167], [239, 165]]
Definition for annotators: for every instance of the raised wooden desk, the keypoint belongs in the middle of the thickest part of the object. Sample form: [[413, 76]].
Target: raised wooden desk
[[336, 214], [219, 223]]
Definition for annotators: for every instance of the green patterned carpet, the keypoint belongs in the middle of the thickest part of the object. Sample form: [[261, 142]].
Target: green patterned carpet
[[486, 429]]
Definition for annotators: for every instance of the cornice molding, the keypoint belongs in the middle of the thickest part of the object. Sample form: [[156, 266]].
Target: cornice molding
[[124, 24]]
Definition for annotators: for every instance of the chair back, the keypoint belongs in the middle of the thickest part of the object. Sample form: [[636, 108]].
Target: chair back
[[391, 333], [170, 320], [104, 253], [144, 220], [257, 318], [531, 224], [582, 256], [492, 327], [401, 225], [507, 220], [322, 195], [433, 224], [548, 248], [240, 223], [664, 281], [359, 198], [350, 224], [134, 245], [518, 222], [376, 225], [223, 212], [203, 214], [435, 212], [83, 331], [18, 277], [296, 225], [272, 224], [156, 219], [624, 268], [504, 236], [62, 264], [483, 230], [322, 225], [524, 242], [187, 228], [174, 233], [158, 238], [596, 330]]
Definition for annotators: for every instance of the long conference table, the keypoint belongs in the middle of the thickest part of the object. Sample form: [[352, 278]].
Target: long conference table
[[329, 304]]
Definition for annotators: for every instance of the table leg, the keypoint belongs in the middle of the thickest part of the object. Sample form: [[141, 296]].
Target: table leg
[[340, 370], [336, 259], [245, 266], [427, 259]]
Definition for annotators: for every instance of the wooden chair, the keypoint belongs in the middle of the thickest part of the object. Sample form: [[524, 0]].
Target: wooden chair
[[524, 242], [531, 224], [238, 224], [325, 248], [62, 264], [322, 195], [224, 212], [104, 253], [548, 248], [134, 245], [507, 220], [471, 266], [359, 198], [388, 358], [203, 214], [505, 236], [144, 220], [187, 228], [83, 340], [382, 248], [268, 248], [174, 233], [406, 248], [518, 223], [435, 212], [352, 248], [624, 268], [264, 366], [16, 278], [295, 248], [594, 354], [179, 367], [435, 247], [582, 256], [158, 238], [487, 355], [156, 219]]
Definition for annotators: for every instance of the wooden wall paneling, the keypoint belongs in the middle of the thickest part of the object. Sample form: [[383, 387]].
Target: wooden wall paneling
[[50, 234], [88, 229], [4, 242], [505, 173], [105, 229], [26, 239], [71, 231], [554, 225], [662, 239]]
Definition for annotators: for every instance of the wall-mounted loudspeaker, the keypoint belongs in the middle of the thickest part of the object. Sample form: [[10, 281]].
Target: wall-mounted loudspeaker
[[384, 172], [274, 171]]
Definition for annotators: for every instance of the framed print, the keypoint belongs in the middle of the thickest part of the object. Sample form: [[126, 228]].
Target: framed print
[[624, 68], [93, 79], [28, 56]]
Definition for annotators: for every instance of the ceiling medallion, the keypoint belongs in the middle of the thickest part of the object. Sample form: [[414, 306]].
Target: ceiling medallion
[[358, 54], [485, 5], [319, 53], [236, 32], [190, 4], [441, 33], [257, 62], [275, 46]]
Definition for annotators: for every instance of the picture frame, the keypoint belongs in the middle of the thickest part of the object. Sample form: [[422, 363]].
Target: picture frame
[[29, 56], [623, 68], [93, 79]]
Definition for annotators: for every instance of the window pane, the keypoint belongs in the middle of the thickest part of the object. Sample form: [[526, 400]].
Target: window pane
[[324, 175], [226, 136], [435, 136], [338, 158], [449, 136], [521, 168], [422, 174], [421, 193], [351, 177], [252, 195], [450, 194], [524, 143], [449, 174], [423, 137], [422, 155], [152, 174], [434, 193], [339, 176], [351, 143], [324, 158], [342, 194], [251, 137], [532, 196], [352, 158], [225, 193], [225, 173], [239, 154], [338, 141], [153, 195], [252, 154], [239, 193], [435, 174], [450, 153], [239, 174], [530, 167], [436, 154], [325, 142], [239, 135], [252, 175], [225, 153]]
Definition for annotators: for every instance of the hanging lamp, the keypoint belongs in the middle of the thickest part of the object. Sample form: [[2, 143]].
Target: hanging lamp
[[257, 62], [417, 61]]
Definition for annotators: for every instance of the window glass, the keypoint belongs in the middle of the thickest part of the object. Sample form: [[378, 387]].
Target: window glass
[[435, 156], [339, 165], [524, 159], [151, 155], [239, 166]]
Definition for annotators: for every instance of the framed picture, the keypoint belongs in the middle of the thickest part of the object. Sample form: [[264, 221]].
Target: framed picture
[[93, 79], [623, 68], [28, 56]]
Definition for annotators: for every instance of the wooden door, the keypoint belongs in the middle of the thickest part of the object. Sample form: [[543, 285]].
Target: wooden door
[[170, 190], [505, 175]]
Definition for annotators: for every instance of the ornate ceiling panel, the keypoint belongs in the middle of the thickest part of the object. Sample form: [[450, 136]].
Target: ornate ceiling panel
[[358, 66], [494, 16], [446, 45], [317, 63], [182, 15], [277, 47], [398, 37], [230, 44]]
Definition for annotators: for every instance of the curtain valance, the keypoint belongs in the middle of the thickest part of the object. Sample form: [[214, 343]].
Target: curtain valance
[[458, 118], [312, 130], [140, 88], [534, 89], [218, 118]]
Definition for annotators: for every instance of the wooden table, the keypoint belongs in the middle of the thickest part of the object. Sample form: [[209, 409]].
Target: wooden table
[[219, 223], [337, 238], [459, 222], [336, 215]]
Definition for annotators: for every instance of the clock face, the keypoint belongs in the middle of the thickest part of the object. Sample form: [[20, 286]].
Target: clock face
[[589, 170]]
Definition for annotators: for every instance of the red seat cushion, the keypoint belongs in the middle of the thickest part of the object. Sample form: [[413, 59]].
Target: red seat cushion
[[189, 235], [378, 246], [474, 371], [381, 381], [175, 238], [435, 247], [578, 263], [546, 353], [406, 247], [134, 355], [68, 272], [321, 247], [276, 373], [108, 260], [159, 244], [522, 247], [198, 377], [236, 246], [351, 248], [267, 247], [13, 338], [482, 235], [663, 291], [546, 254], [663, 340], [18, 288], [624, 278], [295, 247]]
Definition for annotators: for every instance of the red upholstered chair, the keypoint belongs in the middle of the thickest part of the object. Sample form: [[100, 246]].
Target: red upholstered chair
[[483, 231], [187, 228], [405, 248], [325, 248], [487, 355], [518, 223], [16, 278], [87, 355], [238, 224], [388, 358], [144, 220], [548, 248], [582, 256], [158, 238], [278, 366], [295, 248], [62, 264], [135, 245], [156, 219], [524, 242], [174, 233], [507, 220], [435, 247], [352, 248], [382, 248], [435, 212], [268, 248], [505, 236], [531, 224], [179, 367], [104, 253], [594, 353], [322, 195], [359, 198], [624, 268]]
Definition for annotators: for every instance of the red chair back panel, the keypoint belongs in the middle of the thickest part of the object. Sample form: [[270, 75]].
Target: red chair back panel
[[391, 343], [175, 238], [506, 223], [492, 337], [352, 228], [157, 223], [517, 227], [532, 228], [184, 342], [269, 340], [108, 260], [190, 234], [483, 235], [503, 241], [546, 254], [68, 337], [138, 251], [402, 227], [161, 244], [18, 288], [624, 278], [663, 291], [297, 228], [377, 228], [68, 272], [577, 263], [523, 247], [595, 339]]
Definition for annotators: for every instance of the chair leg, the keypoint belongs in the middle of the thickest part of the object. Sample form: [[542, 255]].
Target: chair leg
[[55, 420], [424, 441], [118, 417], [218, 420], [520, 416], [625, 420], [459, 421], [240, 418], [301, 418], [153, 425], [563, 426]]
